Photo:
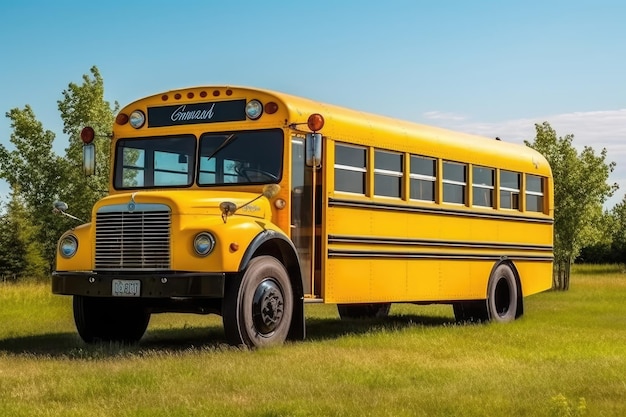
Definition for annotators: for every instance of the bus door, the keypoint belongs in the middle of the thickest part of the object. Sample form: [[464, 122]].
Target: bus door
[[303, 216]]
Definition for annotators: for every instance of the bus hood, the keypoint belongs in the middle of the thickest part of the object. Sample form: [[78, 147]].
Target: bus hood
[[189, 202]]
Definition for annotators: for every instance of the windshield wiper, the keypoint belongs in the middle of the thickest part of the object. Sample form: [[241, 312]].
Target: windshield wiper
[[224, 144]]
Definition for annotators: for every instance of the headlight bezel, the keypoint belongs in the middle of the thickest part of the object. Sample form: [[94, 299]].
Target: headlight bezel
[[68, 246], [137, 119], [204, 243]]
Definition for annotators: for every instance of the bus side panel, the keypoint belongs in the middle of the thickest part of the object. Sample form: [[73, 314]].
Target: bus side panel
[[534, 276], [378, 254]]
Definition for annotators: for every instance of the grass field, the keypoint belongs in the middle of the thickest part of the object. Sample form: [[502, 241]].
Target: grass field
[[565, 357]]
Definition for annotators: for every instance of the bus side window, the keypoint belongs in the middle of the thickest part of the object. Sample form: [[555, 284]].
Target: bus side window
[[388, 168], [423, 178], [509, 190], [534, 193], [454, 182], [482, 186], [350, 168]]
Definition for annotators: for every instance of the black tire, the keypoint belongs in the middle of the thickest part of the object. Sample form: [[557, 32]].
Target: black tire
[[363, 311], [258, 304], [109, 320], [503, 296], [470, 311]]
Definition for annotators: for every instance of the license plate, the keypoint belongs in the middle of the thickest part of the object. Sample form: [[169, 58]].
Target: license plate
[[126, 288]]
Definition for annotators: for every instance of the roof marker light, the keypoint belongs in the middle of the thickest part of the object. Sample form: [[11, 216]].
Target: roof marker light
[[271, 107], [121, 119]]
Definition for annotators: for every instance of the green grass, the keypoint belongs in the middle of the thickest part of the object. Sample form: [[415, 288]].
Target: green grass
[[565, 357]]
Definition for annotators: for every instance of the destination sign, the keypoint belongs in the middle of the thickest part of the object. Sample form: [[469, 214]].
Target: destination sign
[[186, 114]]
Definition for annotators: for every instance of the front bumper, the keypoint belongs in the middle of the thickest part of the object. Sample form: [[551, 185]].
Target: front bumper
[[155, 285]]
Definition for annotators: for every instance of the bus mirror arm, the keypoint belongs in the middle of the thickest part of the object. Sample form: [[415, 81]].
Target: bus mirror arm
[[228, 208], [313, 149], [59, 207]]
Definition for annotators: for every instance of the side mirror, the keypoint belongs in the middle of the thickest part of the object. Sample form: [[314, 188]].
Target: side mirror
[[89, 159], [59, 207], [313, 149]]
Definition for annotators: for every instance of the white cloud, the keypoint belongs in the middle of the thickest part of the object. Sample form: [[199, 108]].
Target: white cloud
[[597, 129], [438, 115]]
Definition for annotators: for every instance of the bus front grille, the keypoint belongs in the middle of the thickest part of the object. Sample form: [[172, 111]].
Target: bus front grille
[[137, 240]]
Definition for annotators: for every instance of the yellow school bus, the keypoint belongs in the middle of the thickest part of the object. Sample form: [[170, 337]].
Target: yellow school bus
[[250, 203]]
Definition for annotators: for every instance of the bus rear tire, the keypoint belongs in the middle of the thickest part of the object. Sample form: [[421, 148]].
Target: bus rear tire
[[470, 311], [503, 295], [102, 319], [258, 304], [363, 311]]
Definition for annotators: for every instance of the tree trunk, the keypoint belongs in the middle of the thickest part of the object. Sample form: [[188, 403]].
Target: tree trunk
[[560, 277]]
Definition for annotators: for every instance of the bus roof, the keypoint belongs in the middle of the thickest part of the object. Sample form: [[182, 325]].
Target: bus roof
[[367, 129]]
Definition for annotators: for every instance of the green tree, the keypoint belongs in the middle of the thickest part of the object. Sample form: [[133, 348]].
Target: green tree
[[35, 174], [84, 105], [20, 255], [580, 188], [618, 244], [38, 176]]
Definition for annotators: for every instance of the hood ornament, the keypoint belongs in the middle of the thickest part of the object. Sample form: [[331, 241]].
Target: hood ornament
[[131, 204]]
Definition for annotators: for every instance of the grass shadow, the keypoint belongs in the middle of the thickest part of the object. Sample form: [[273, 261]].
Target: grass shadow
[[185, 339], [325, 329]]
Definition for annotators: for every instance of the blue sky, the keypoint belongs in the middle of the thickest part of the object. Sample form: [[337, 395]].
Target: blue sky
[[493, 68]]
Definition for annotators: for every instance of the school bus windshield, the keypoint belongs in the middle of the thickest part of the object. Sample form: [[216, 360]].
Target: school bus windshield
[[244, 157]]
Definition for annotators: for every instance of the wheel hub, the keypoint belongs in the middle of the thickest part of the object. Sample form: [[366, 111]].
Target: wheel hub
[[267, 306]]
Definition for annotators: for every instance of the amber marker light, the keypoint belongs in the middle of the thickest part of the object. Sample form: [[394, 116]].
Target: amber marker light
[[315, 122], [87, 134], [234, 247], [280, 203]]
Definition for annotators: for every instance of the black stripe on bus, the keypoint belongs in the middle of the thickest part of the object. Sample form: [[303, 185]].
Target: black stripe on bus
[[438, 243], [413, 255], [371, 205]]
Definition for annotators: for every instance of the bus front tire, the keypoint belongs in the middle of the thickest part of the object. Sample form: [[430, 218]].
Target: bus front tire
[[106, 320], [258, 304], [363, 311]]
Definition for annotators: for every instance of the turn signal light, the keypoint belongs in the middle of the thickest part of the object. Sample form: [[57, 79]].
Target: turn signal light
[[315, 122]]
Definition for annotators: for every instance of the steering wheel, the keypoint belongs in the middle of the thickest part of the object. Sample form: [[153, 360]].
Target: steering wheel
[[248, 170]]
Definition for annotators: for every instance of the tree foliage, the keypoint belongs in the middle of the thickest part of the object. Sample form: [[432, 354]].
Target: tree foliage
[[580, 189], [84, 105], [37, 176], [18, 234]]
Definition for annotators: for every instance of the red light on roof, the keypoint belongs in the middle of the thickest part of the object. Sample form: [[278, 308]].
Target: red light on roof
[[203, 94], [216, 93], [271, 107], [121, 119], [315, 122], [164, 97], [87, 134], [177, 96], [190, 95], [229, 92]]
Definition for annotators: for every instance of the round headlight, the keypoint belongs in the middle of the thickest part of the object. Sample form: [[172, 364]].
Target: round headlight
[[203, 243], [68, 246], [254, 109], [137, 119]]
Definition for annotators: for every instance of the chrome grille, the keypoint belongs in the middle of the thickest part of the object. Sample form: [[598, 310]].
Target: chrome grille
[[137, 240]]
